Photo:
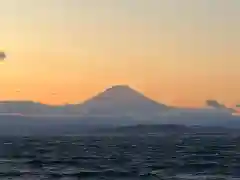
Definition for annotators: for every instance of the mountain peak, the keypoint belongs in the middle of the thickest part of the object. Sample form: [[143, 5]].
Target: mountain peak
[[118, 87], [122, 99]]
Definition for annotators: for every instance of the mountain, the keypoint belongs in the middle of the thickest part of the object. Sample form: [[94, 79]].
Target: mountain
[[121, 100], [22, 107], [34, 108], [169, 129], [118, 100]]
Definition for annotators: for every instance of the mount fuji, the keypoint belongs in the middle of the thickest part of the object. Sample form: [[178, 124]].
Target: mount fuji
[[122, 100]]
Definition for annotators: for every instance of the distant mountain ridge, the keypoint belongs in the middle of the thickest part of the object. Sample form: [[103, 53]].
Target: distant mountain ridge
[[119, 100], [170, 129]]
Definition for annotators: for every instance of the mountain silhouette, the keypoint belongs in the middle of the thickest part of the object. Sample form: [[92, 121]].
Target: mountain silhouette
[[121, 100]]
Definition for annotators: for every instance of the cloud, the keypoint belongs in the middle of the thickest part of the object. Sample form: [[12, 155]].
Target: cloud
[[215, 104], [2, 56]]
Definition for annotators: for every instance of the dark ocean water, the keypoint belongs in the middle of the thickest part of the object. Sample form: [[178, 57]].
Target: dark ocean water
[[120, 157]]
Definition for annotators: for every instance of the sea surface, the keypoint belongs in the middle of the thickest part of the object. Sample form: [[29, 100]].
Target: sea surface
[[120, 157]]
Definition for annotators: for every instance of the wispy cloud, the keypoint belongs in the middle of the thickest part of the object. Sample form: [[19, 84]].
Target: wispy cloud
[[217, 105]]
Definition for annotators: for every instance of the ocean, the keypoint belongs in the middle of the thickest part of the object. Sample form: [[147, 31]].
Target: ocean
[[120, 157]]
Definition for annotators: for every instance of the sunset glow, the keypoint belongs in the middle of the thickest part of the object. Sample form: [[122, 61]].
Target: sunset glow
[[175, 52]]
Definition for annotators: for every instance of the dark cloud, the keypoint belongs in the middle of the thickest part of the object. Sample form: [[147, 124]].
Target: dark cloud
[[217, 105], [232, 110], [2, 56]]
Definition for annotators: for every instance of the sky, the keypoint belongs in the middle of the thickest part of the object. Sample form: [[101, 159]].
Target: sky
[[65, 51]]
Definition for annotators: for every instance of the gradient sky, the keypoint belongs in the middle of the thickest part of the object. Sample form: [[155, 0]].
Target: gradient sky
[[179, 52]]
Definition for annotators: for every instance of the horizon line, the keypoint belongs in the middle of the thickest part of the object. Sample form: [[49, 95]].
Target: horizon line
[[204, 105]]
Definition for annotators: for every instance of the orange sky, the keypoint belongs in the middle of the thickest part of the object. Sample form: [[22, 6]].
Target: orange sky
[[178, 53]]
